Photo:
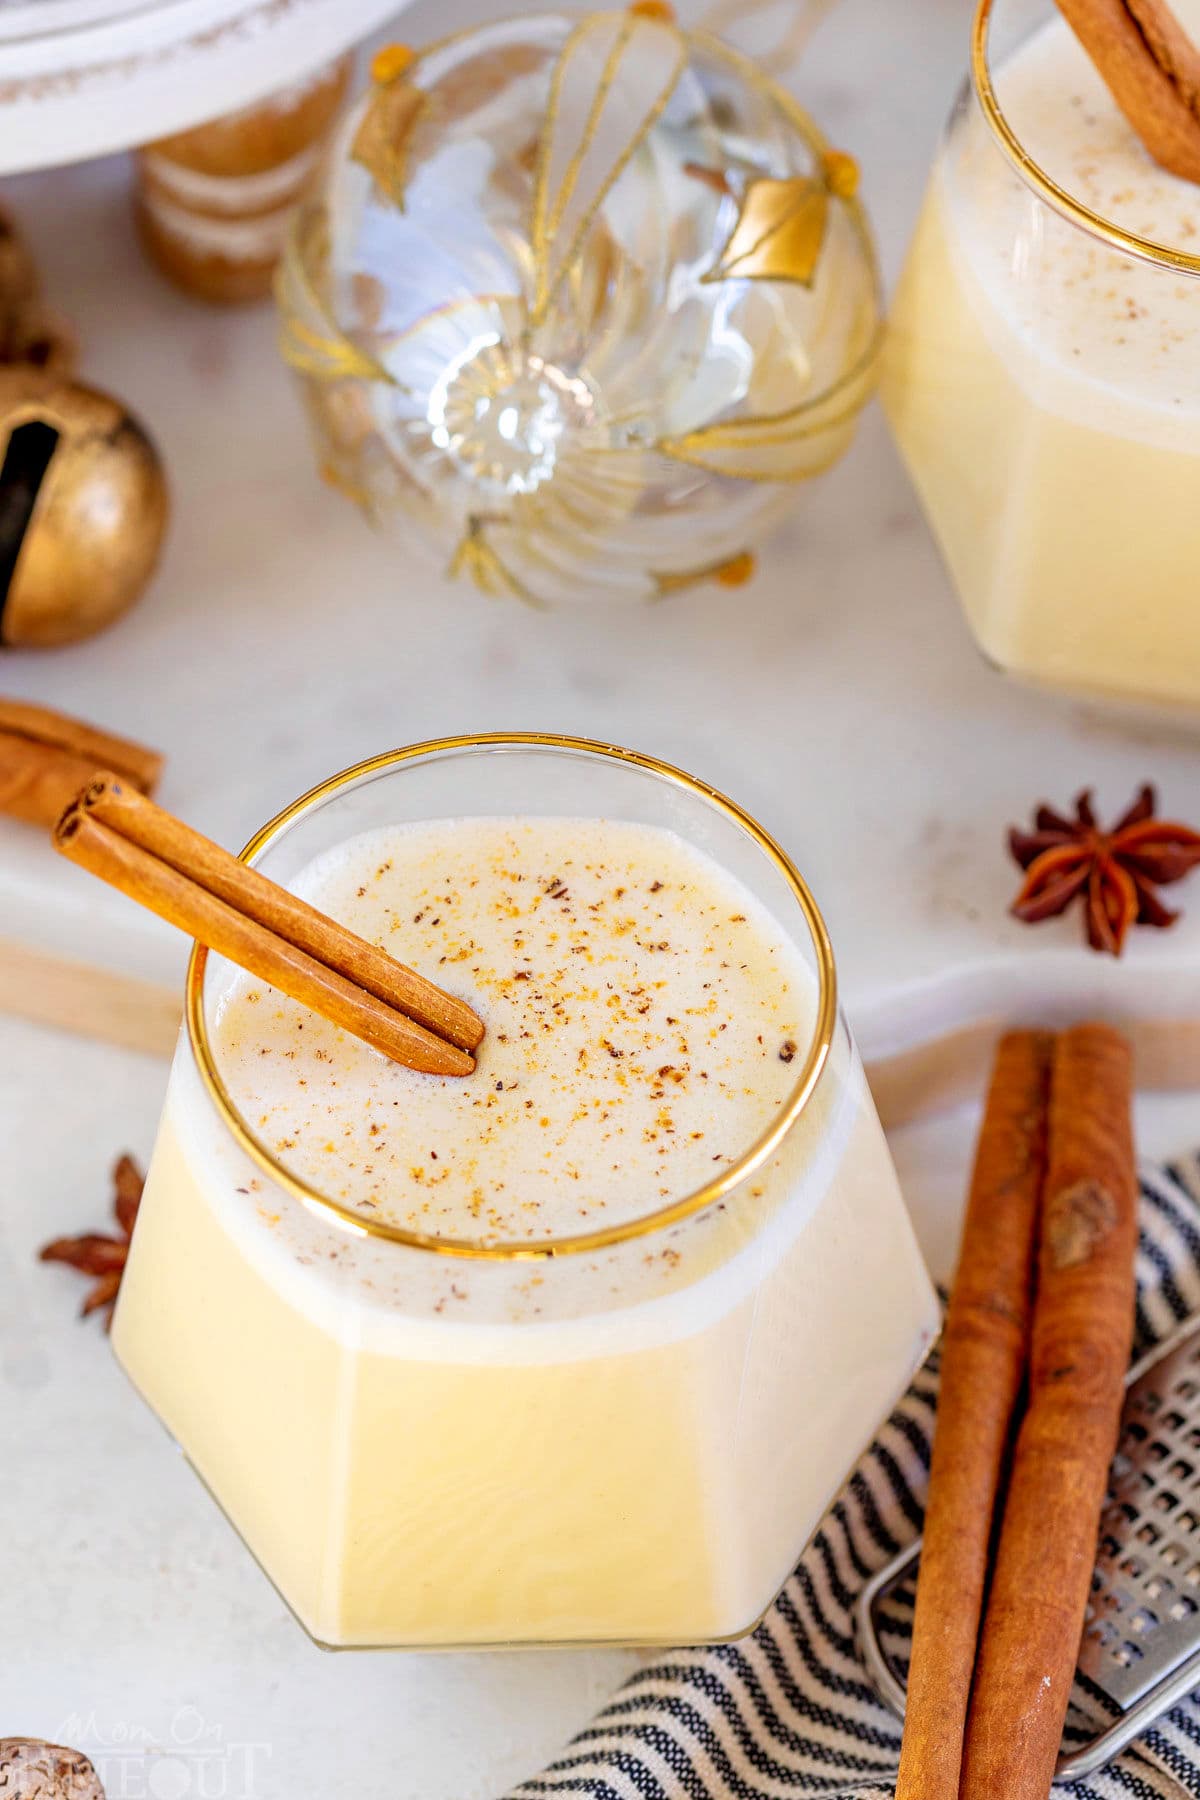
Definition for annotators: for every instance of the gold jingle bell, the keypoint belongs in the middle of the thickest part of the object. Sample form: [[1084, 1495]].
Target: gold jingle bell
[[83, 508]]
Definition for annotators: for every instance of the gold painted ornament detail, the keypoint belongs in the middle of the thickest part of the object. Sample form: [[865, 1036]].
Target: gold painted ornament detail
[[477, 559], [584, 300], [780, 229], [731, 572], [325, 356], [617, 72], [789, 446], [381, 142], [309, 340]]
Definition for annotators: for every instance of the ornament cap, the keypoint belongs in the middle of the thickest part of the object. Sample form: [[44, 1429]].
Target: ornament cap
[[841, 174], [390, 62], [737, 571]]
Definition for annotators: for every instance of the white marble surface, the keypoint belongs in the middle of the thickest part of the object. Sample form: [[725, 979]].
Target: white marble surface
[[839, 698], [139, 1628]]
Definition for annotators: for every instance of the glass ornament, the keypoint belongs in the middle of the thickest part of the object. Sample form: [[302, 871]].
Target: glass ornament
[[581, 299]]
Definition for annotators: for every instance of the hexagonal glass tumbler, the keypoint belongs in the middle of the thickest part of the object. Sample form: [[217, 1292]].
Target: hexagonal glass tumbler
[[1042, 373], [622, 1435]]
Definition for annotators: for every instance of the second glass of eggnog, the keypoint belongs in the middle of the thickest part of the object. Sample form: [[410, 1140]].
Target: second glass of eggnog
[[579, 1347], [1042, 376]]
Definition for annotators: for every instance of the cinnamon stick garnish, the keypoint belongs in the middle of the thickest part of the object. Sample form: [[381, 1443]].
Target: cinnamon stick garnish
[[984, 1351], [1081, 1339], [1151, 68], [250, 928], [46, 757], [114, 803]]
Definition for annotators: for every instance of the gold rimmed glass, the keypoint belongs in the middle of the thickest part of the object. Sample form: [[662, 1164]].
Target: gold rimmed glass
[[643, 788], [1042, 375], [1071, 207], [620, 1435]]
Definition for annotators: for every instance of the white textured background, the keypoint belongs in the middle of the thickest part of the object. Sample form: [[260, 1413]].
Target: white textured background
[[839, 697]]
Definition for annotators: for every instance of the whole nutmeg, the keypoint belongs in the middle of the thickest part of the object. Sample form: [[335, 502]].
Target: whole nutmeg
[[33, 1770], [83, 508]]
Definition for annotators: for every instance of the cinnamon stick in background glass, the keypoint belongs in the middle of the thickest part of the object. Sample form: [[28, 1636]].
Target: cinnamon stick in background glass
[[46, 757], [164, 865], [1081, 1340], [984, 1353], [1152, 70]]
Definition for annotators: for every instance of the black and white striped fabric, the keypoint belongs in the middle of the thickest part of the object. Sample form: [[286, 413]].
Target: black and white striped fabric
[[790, 1711]]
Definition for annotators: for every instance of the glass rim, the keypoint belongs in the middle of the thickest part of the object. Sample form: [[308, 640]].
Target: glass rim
[[515, 1250], [1034, 176]]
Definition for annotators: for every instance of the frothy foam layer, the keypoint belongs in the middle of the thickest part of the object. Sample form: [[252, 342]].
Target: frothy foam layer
[[1104, 318], [645, 1014]]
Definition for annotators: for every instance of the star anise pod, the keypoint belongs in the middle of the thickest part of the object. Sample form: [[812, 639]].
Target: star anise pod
[[1114, 873], [98, 1255]]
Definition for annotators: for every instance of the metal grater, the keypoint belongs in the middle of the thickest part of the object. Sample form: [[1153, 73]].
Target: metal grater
[[1141, 1638]]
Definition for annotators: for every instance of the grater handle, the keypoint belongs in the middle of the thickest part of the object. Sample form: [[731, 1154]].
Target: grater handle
[[1100, 1750], [883, 1680], [1077, 1767], [1170, 1690]]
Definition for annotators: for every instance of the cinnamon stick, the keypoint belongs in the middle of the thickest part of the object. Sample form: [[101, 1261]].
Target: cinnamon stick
[[95, 846], [46, 757], [984, 1351], [128, 812], [1151, 68], [1081, 1339], [37, 781]]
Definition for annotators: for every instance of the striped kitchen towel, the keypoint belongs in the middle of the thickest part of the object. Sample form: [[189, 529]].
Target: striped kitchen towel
[[790, 1711]]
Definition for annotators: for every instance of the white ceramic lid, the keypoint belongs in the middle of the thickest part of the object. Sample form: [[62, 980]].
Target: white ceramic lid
[[80, 78]]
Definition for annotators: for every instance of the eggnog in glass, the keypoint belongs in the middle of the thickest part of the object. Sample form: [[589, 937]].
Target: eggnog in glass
[[576, 1348], [1042, 376]]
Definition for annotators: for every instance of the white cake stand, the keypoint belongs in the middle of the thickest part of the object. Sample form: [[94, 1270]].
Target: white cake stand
[[80, 78]]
